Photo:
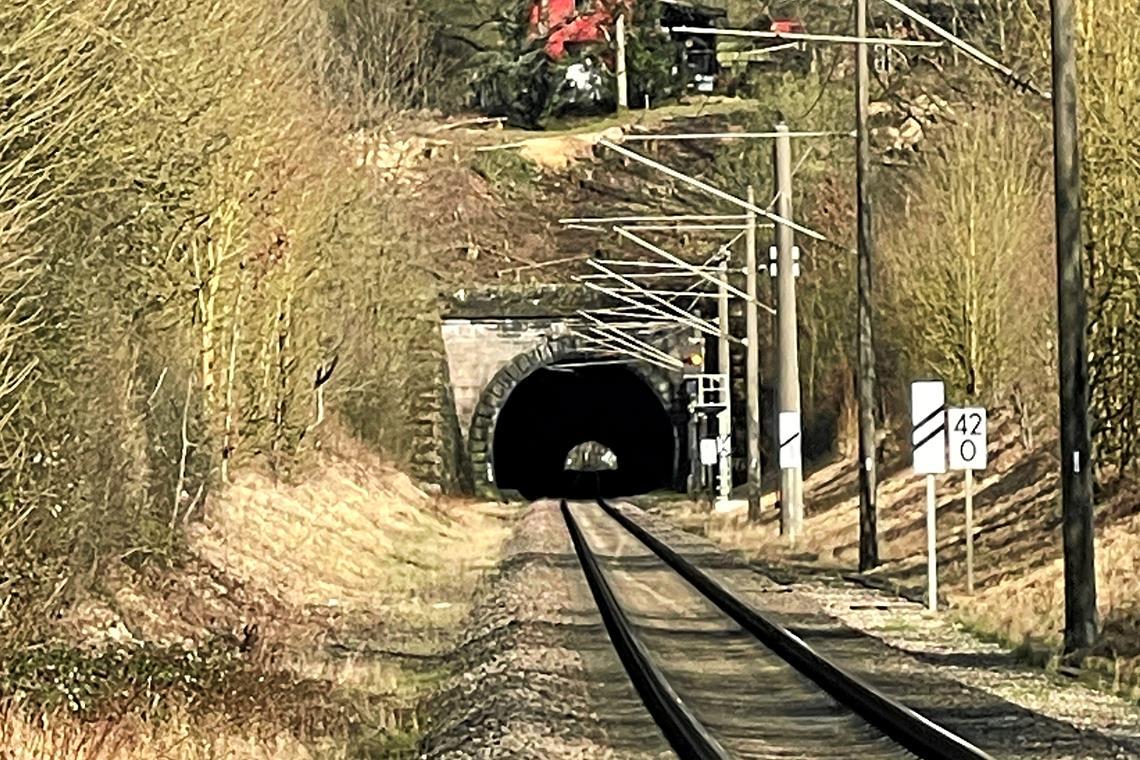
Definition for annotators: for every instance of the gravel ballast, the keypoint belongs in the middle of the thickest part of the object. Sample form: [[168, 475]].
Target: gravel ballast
[[970, 686], [536, 664], [536, 675]]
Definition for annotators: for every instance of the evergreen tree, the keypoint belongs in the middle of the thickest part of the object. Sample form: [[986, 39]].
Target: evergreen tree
[[520, 82]]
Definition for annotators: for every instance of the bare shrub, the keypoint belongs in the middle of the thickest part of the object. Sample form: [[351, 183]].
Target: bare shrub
[[387, 57], [1110, 55], [189, 266], [967, 277]]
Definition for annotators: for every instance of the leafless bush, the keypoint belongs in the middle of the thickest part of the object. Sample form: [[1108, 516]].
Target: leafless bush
[[967, 278], [185, 248], [1110, 33], [386, 57]]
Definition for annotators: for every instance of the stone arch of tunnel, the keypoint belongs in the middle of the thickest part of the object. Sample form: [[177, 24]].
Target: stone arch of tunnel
[[535, 410]]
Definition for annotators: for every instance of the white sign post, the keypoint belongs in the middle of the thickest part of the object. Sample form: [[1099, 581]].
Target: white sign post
[[968, 451], [928, 437]]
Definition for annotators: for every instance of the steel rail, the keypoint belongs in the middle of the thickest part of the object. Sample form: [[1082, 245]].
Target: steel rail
[[902, 724], [688, 737]]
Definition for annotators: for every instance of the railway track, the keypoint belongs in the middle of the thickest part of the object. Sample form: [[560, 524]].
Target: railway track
[[719, 677]]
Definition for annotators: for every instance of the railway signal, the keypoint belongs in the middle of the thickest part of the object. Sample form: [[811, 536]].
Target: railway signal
[[710, 399]]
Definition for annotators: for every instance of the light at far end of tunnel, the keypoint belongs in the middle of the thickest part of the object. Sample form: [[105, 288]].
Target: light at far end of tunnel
[[591, 456]]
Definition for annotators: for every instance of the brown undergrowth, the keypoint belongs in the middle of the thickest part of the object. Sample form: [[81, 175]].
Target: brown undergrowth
[[1019, 587], [306, 621]]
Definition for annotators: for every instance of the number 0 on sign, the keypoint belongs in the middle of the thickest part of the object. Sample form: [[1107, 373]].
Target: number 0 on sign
[[967, 428]]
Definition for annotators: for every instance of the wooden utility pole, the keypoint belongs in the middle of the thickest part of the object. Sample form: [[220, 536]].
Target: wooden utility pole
[[622, 74], [752, 362], [788, 391], [865, 373], [1072, 316]]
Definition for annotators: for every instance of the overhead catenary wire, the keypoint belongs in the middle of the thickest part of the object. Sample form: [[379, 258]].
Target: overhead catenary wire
[[690, 319], [611, 333], [710, 189], [686, 274], [681, 262], [618, 359], [637, 325], [688, 268], [806, 37], [665, 227], [723, 253], [623, 337], [682, 318], [634, 319], [968, 49], [654, 219], [614, 349], [685, 136], [671, 293], [609, 348]]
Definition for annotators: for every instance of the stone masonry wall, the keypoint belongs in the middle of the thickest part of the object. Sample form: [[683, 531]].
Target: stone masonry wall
[[439, 455], [477, 349]]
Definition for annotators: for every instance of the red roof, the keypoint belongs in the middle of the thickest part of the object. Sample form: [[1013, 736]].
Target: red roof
[[560, 22], [787, 26]]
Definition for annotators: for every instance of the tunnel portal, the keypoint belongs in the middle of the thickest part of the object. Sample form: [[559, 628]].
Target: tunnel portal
[[558, 407]]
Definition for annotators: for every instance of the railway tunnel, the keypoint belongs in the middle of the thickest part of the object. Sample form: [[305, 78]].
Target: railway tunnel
[[560, 406], [524, 389]]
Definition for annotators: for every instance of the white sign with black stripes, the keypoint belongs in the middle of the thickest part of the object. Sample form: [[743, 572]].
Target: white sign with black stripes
[[928, 426], [967, 438], [791, 446]]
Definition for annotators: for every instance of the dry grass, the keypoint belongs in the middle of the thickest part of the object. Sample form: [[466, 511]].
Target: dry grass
[[63, 737], [1017, 547], [354, 542], [355, 580]]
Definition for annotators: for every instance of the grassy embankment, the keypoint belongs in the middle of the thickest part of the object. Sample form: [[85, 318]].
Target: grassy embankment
[[1019, 598], [306, 621]]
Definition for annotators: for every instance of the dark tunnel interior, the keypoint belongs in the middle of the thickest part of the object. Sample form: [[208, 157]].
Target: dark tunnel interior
[[556, 408]]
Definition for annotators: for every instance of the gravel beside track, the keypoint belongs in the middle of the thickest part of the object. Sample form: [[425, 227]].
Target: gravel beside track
[[535, 665], [970, 687]]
